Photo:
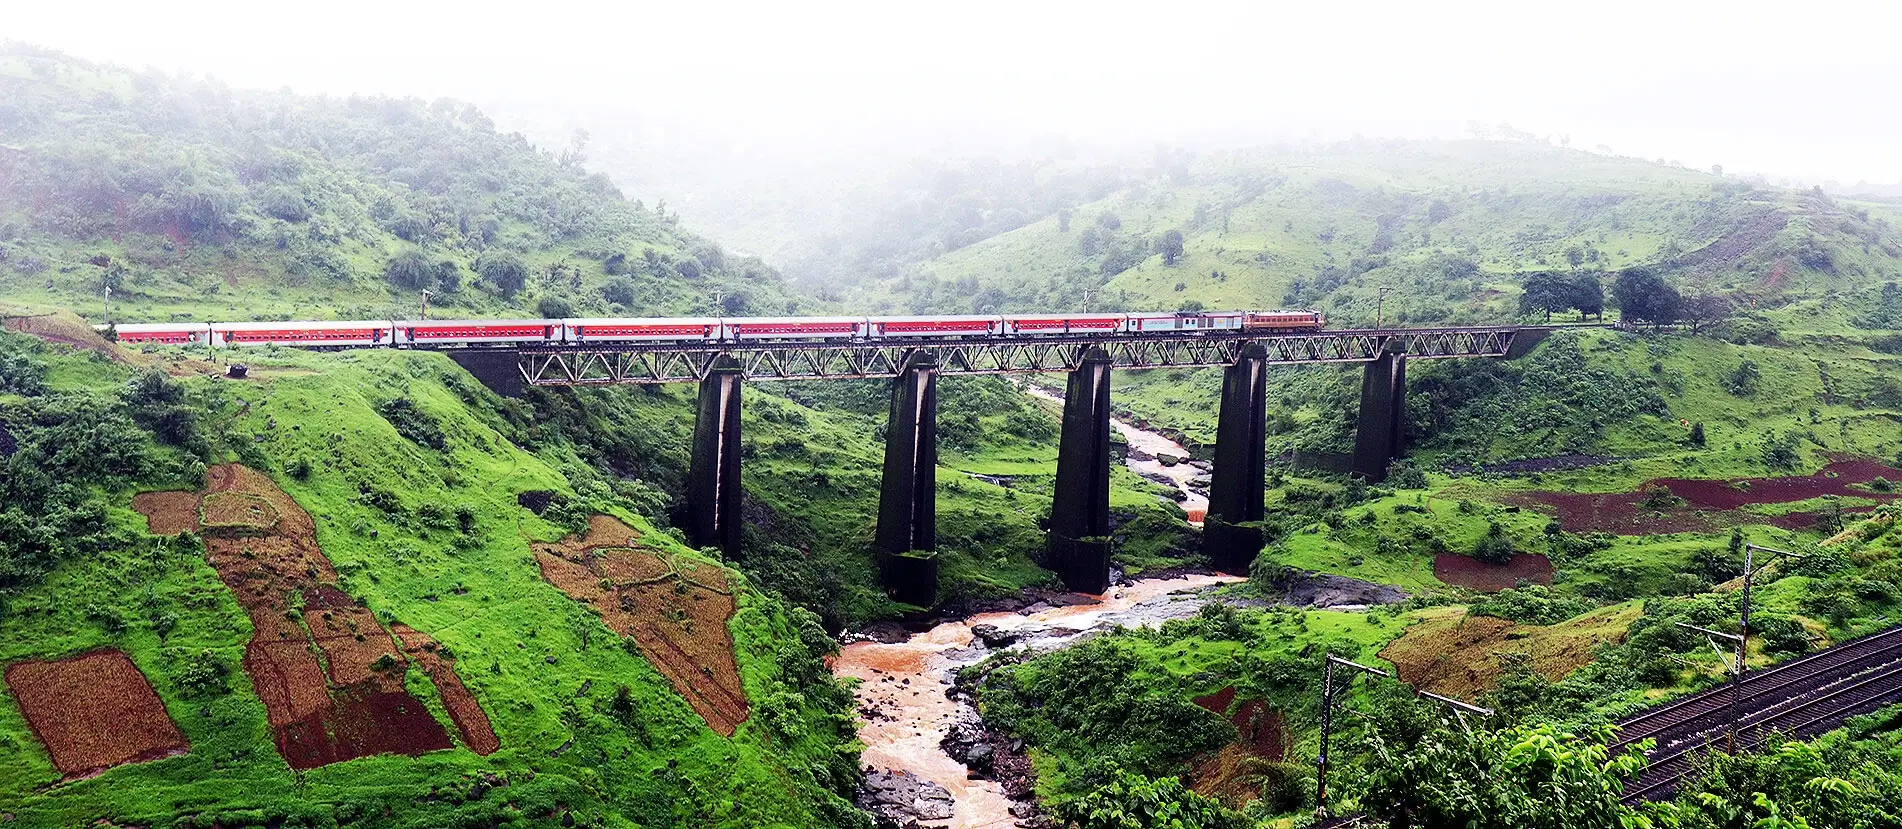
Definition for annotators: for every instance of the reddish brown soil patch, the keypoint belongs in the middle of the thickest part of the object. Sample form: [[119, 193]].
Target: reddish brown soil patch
[[467, 714], [1458, 655], [1710, 504], [675, 609], [1466, 571], [93, 711], [329, 674], [1232, 774], [237, 509], [168, 513]]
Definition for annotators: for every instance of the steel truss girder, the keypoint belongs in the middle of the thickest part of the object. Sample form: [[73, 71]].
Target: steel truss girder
[[670, 363]]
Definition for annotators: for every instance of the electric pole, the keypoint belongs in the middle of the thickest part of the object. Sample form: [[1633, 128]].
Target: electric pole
[[108, 304], [1380, 304], [1327, 723], [1735, 668], [426, 296]]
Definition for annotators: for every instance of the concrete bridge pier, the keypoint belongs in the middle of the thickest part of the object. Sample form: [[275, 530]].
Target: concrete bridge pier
[[1236, 490], [496, 368], [908, 494], [713, 480], [1079, 548], [1380, 438]]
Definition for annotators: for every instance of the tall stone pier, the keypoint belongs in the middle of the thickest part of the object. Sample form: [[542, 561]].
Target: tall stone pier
[[1079, 547], [1236, 490], [496, 368], [1380, 437], [908, 494], [713, 481]]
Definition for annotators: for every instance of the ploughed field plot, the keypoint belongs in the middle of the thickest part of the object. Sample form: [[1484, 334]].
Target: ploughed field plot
[[1232, 774], [1708, 504], [675, 610], [329, 674], [463, 709], [1465, 571], [93, 711], [1454, 654]]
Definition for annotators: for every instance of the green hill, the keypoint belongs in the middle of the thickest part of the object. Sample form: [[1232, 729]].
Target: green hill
[[1442, 229], [193, 200], [416, 490]]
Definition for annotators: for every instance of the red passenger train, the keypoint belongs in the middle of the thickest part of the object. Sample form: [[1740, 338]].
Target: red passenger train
[[689, 330]]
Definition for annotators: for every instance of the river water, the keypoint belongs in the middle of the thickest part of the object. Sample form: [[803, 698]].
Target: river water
[[1146, 456], [904, 683]]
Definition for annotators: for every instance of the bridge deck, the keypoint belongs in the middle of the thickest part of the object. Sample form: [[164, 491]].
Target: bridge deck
[[640, 363]]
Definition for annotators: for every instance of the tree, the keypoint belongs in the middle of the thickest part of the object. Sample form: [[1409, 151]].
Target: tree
[[1545, 292], [1170, 246], [1524, 777], [1132, 801], [503, 270], [689, 268], [1703, 310], [410, 269], [619, 291], [1697, 434], [1643, 295], [553, 307], [1588, 295]]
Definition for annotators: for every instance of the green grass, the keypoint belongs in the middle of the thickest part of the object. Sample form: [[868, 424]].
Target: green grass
[[525, 650]]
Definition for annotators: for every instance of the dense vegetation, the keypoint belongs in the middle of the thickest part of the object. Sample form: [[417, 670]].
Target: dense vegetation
[[406, 465], [191, 200]]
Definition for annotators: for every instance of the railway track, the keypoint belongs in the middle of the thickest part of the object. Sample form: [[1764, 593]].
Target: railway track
[[1697, 712], [1799, 698]]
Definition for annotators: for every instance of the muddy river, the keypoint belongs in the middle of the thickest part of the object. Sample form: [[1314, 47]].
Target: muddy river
[[1157, 458], [903, 684]]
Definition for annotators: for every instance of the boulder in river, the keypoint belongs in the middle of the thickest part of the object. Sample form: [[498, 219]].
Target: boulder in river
[[993, 636], [901, 799]]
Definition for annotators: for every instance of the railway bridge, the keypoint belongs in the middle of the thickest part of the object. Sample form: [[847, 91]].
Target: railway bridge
[[1079, 544]]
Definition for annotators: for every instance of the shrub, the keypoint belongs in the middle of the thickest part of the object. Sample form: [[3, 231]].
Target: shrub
[[1496, 547], [1132, 801], [554, 307], [504, 271], [413, 423], [619, 291], [203, 675]]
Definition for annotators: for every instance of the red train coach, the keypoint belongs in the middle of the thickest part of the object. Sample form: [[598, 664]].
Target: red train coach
[[164, 333], [477, 332], [1049, 325], [302, 334], [898, 328], [640, 330]]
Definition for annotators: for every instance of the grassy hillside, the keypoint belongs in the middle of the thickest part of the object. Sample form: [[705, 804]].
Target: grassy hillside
[[1441, 229], [195, 201], [813, 455], [416, 505]]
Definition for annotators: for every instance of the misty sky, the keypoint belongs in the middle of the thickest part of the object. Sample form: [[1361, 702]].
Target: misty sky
[[1807, 90]]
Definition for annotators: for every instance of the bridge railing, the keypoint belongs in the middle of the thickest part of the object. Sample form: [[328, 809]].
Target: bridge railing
[[639, 363]]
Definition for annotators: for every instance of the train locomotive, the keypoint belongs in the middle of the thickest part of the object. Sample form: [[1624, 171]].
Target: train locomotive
[[711, 330]]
